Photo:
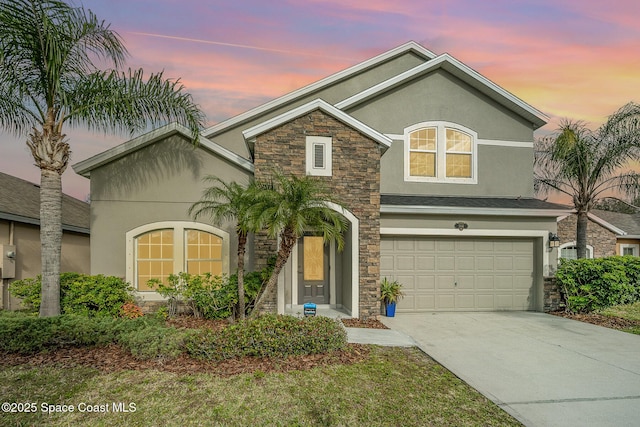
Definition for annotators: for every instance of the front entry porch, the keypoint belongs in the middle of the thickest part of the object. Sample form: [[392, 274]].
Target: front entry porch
[[325, 310]]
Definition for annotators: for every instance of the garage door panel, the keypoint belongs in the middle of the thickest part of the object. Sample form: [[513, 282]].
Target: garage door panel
[[405, 263], [425, 263], [485, 301], [445, 281], [466, 263], [464, 282], [504, 263], [485, 263], [446, 262], [426, 283], [445, 302], [491, 274]]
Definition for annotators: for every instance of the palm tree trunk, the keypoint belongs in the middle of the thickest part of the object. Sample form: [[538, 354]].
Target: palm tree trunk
[[51, 240], [581, 234], [242, 244], [287, 241]]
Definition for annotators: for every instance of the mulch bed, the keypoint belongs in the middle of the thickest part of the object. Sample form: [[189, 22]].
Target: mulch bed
[[359, 323], [600, 320], [114, 358]]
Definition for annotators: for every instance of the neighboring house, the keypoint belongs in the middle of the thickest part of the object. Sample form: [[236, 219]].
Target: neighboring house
[[432, 161], [608, 233], [20, 234]]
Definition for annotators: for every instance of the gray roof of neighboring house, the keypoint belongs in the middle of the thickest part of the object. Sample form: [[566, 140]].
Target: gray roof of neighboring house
[[471, 202], [629, 223], [20, 202]]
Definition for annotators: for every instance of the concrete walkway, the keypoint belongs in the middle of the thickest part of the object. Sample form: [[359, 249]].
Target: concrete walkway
[[385, 337], [542, 369]]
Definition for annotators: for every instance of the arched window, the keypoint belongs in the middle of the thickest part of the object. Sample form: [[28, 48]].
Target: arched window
[[440, 152], [154, 251], [569, 250]]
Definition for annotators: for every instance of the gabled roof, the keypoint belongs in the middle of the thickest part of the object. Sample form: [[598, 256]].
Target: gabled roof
[[306, 90], [85, 167], [20, 202], [622, 224], [464, 73], [518, 206], [317, 104]]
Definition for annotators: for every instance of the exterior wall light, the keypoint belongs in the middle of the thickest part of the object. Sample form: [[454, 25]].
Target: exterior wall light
[[461, 225], [554, 240]]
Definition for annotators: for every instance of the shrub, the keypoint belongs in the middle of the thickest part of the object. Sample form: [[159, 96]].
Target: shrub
[[27, 334], [206, 295], [155, 342], [269, 336], [79, 294], [595, 284]]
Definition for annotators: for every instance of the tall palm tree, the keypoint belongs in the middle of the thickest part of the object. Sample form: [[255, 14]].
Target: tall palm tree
[[50, 75], [590, 165], [289, 206], [230, 201]]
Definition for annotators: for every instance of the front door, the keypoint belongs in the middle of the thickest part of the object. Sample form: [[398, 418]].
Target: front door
[[313, 270]]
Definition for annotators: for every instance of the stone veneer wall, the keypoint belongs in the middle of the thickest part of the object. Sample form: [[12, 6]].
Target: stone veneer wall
[[553, 300], [602, 239], [355, 182]]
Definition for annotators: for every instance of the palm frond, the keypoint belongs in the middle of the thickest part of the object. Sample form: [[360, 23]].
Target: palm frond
[[127, 102]]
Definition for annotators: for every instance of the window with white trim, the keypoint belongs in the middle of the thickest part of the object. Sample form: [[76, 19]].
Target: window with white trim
[[318, 155], [570, 251], [440, 152], [629, 249], [154, 251]]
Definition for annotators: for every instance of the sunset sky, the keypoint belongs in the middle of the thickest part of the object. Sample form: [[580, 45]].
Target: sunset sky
[[567, 58]]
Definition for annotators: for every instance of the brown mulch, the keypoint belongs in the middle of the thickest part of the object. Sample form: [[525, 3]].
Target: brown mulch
[[114, 358], [360, 323], [600, 320]]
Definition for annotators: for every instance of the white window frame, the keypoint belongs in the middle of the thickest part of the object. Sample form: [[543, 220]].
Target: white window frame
[[312, 142], [179, 256], [634, 247], [441, 153], [573, 243]]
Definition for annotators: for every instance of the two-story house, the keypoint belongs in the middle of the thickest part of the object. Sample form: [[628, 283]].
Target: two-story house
[[433, 163]]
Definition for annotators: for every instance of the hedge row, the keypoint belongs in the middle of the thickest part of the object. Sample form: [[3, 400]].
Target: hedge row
[[148, 338], [269, 336], [595, 284]]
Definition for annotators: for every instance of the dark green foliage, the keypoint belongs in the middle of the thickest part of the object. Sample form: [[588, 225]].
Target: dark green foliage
[[208, 296], [155, 342], [80, 294], [595, 284], [27, 334], [269, 336]]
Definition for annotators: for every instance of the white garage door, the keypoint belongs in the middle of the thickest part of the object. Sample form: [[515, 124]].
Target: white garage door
[[450, 274]]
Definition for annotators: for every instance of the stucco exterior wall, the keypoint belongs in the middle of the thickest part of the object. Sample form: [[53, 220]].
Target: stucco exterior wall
[[26, 238], [441, 97], [156, 183], [355, 181]]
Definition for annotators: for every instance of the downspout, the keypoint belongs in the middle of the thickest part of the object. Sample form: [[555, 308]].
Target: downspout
[[6, 299]]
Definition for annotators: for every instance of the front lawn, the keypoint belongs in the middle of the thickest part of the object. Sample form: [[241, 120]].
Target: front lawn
[[630, 312], [392, 386]]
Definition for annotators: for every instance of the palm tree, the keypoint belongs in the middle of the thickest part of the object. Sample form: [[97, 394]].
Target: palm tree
[[590, 165], [230, 201], [287, 207], [50, 75]]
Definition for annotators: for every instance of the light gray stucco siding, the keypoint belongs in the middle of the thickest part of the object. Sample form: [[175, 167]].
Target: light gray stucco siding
[[440, 96], [156, 183]]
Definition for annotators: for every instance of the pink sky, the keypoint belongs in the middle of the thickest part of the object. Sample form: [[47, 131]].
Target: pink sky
[[567, 58]]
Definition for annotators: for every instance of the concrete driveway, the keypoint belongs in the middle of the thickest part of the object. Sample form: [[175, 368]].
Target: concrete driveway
[[542, 369]]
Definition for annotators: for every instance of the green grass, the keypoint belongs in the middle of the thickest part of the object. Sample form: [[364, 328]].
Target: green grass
[[394, 386], [627, 311]]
